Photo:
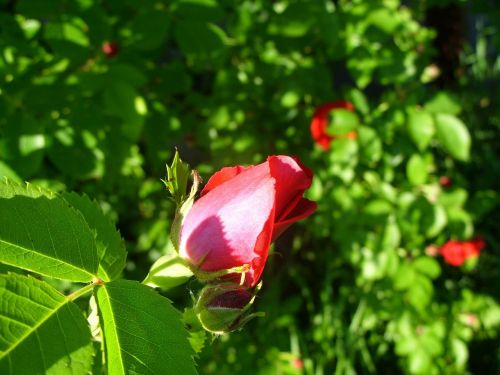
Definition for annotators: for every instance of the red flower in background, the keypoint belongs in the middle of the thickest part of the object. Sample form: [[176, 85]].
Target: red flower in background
[[241, 211], [110, 49], [320, 120], [456, 253], [445, 181]]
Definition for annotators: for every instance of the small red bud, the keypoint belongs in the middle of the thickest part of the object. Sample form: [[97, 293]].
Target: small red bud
[[351, 135], [471, 320], [298, 363], [432, 250], [445, 181], [110, 49]]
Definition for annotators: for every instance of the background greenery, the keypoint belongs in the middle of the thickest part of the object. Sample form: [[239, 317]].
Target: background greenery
[[354, 288]]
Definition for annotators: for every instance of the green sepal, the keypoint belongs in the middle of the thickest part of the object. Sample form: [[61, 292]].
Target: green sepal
[[177, 179], [182, 211], [168, 272], [223, 307], [176, 183]]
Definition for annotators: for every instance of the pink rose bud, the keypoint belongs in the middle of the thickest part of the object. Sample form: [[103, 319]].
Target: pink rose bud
[[240, 212]]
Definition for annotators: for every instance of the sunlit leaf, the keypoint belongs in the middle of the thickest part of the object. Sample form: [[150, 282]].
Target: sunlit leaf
[[142, 332], [110, 245], [453, 136], [40, 232], [421, 128], [41, 331]]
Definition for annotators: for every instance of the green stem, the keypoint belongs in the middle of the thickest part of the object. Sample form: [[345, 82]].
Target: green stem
[[80, 292]]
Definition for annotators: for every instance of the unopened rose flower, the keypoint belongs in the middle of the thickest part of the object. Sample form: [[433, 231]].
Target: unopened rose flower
[[456, 253], [241, 211], [320, 120], [223, 307]]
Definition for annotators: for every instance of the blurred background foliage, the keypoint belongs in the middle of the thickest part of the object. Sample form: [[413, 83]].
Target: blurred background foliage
[[96, 95]]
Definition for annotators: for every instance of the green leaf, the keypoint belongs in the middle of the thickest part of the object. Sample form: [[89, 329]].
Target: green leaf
[[453, 136], [8, 172], [460, 223], [71, 154], [460, 351], [199, 10], [453, 198], [420, 292], [142, 332], [428, 266], [22, 144], [197, 335], [385, 19], [360, 101], [292, 23], [443, 102], [203, 42], [149, 30], [342, 121], [416, 170], [421, 128], [404, 277], [40, 232], [378, 207], [435, 222], [119, 99], [72, 30], [110, 246], [391, 236], [419, 362], [41, 331], [370, 144]]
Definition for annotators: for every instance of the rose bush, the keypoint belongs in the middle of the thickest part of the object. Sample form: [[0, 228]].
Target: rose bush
[[241, 211]]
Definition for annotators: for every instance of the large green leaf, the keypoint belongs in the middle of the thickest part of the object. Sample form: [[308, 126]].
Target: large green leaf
[[40, 232], [421, 128], [41, 331], [149, 30], [110, 246], [453, 136], [443, 102], [416, 170], [143, 333], [428, 266]]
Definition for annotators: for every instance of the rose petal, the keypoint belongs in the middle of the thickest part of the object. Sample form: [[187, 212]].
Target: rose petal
[[303, 209], [291, 181], [222, 176], [212, 234], [324, 109], [318, 132]]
